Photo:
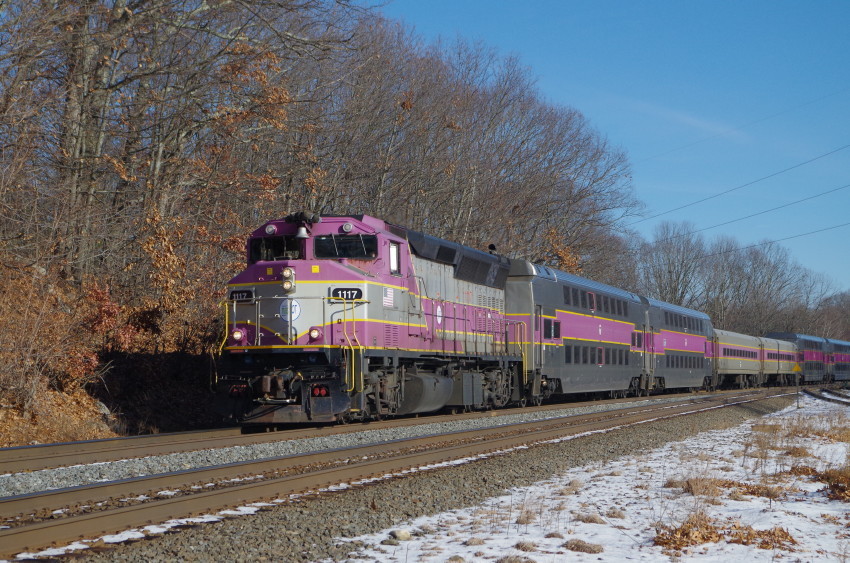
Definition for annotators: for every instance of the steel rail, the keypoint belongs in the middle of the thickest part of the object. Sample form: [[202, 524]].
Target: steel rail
[[822, 397], [40, 456], [461, 445]]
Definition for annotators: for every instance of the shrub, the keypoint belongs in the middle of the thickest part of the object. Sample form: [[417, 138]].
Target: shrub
[[582, 546]]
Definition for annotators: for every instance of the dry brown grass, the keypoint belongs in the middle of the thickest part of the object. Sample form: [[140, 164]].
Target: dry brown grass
[[803, 470], [797, 451], [590, 518], [572, 488], [775, 538], [837, 483], [771, 492], [473, 542], [514, 559], [708, 487], [735, 494], [837, 480], [525, 546], [835, 427], [526, 517], [615, 513], [58, 417], [702, 486], [700, 529], [839, 434], [582, 546], [696, 530], [767, 428]]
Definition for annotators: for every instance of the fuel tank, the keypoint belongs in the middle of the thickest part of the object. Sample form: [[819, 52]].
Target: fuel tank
[[425, 393]]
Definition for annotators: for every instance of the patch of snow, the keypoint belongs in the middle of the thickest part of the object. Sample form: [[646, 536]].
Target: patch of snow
[[621, 505]]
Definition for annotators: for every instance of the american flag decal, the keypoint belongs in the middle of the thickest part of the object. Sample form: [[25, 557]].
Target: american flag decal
[[388, 297]]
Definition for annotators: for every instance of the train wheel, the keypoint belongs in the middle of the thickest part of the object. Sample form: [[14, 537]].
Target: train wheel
[[343, 418], [500, 388]]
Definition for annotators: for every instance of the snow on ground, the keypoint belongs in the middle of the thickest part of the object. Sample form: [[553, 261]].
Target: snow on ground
[[728, 493]]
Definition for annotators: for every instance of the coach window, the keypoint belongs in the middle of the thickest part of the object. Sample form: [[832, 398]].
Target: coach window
[[591, 301], [395, 263], [568, 354], [556, 330]]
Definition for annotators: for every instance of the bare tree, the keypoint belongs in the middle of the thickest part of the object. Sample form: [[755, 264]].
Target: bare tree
[[671, 268]]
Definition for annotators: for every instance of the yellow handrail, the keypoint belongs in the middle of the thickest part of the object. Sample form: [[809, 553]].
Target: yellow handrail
[[351, 344], [523, 349], [226, 323]]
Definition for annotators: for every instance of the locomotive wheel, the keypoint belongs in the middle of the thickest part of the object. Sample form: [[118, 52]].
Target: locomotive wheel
[[498, 388], [343, 418]]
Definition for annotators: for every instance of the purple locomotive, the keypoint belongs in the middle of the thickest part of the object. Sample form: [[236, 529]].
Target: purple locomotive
[[341, 318]]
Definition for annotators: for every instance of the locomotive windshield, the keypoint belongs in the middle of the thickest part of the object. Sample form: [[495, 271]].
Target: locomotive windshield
[[359, 247], [274, 248]]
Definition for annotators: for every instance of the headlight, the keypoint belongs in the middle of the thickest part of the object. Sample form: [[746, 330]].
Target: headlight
[[271, 229], [288, 285], [237, 334], [287, 273], [315, 333]]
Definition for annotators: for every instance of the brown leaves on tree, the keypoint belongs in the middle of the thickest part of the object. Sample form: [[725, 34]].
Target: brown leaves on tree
[[561, 255]]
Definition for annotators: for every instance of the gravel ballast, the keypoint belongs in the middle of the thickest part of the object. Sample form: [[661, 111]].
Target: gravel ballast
[[304, 530]]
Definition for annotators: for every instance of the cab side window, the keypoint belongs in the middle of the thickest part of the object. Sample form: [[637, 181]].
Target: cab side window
[[395, 262]]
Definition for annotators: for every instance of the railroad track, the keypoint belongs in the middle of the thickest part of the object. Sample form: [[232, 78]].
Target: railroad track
[[44, 456], [95, 510], [833, 397]]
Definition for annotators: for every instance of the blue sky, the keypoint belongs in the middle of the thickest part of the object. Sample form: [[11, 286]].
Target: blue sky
[[704, 96]]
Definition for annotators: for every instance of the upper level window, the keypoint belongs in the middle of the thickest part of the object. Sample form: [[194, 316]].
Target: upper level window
[[358, 247], [274, 248]]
